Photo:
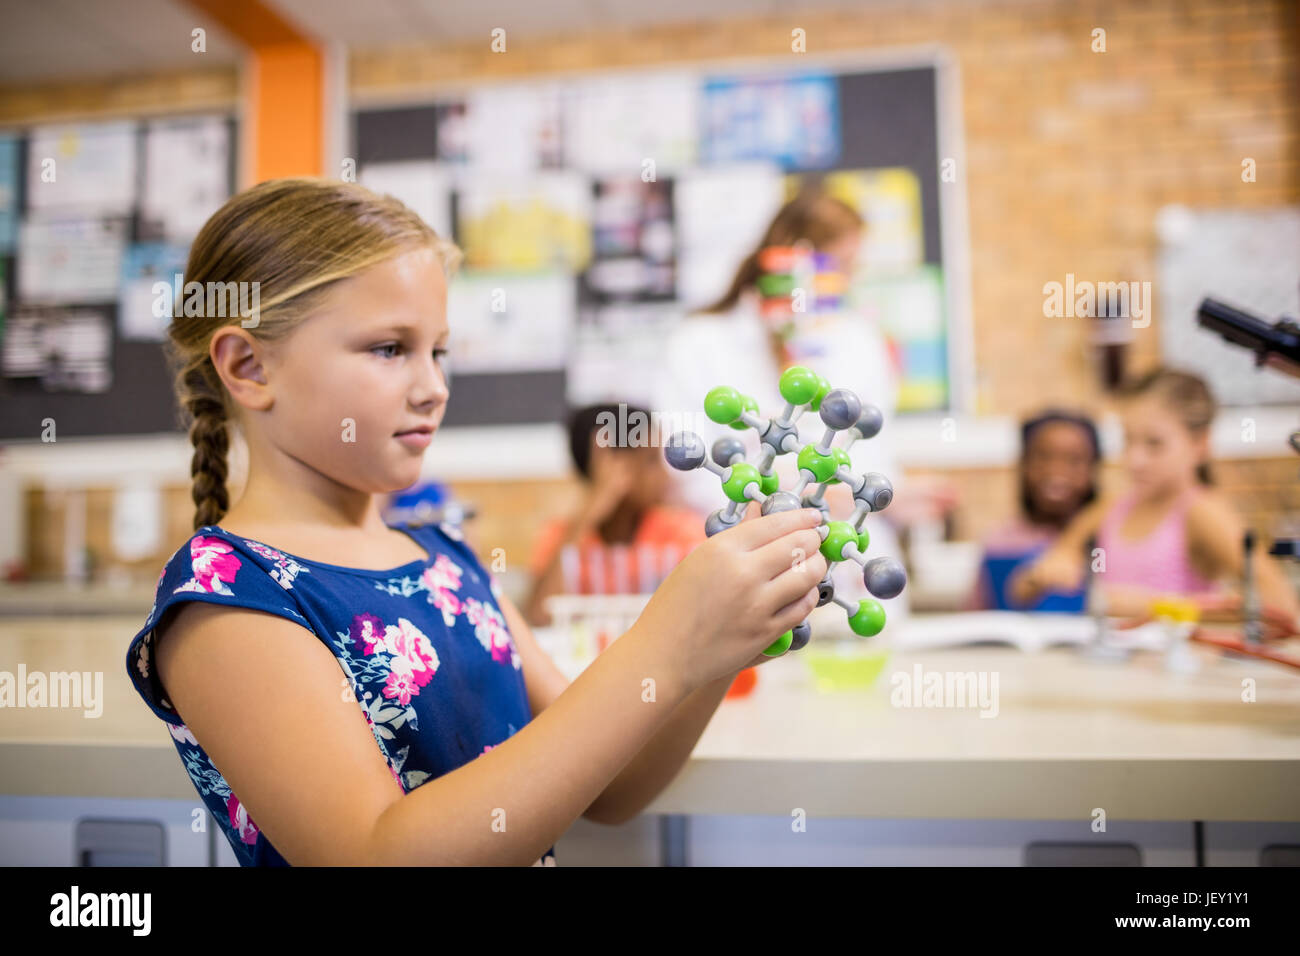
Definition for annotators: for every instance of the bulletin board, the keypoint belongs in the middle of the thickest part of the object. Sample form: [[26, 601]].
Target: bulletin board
[[91, 215], [544, 186]]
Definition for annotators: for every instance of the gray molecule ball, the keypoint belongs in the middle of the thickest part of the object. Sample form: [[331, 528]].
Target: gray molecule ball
[[777, 435], [825, 591], [876, 491], [802, 633], [840, 408], [884, 577], [780, 501], [725, 448], [717, 522], [870, 421], [685, 451]]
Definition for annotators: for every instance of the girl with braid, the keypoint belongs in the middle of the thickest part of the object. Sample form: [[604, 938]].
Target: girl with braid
[[344, 692]]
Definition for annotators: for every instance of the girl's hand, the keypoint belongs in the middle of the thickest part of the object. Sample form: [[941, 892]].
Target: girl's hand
[[613, 476], [1054, 571], [735, 594], [1275, 623]]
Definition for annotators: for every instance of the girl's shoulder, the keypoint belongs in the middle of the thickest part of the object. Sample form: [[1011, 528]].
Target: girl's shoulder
[[1210, 511], [216, 568]]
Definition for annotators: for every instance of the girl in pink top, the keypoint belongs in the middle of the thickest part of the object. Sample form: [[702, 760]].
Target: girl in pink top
[[1171, 532]]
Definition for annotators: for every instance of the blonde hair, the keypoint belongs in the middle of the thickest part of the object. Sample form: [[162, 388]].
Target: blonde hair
[[295, 238], [1186, 395]]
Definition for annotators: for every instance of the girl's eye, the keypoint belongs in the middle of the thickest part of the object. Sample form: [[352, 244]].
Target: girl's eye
[[438, 354]]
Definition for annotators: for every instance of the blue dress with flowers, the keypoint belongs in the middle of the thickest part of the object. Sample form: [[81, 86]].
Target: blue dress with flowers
[[424, 648]]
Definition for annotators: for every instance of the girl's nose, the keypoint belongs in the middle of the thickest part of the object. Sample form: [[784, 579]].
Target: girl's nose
[[435, 383]]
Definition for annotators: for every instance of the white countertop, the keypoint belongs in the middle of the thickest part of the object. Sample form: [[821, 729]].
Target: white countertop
[[1069, 736]]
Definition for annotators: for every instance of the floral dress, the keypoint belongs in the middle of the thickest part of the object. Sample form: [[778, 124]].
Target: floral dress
[[423, 648]]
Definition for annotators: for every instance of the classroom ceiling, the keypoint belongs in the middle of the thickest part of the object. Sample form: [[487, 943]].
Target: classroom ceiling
[[43, 41]]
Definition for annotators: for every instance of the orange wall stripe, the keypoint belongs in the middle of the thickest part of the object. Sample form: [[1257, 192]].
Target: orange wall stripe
[[284, 92], [286, 85]]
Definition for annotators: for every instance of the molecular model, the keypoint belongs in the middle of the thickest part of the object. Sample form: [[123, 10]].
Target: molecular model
[[841, 411]]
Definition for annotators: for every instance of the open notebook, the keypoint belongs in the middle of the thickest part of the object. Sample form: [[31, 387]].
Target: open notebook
[[1026, 630]]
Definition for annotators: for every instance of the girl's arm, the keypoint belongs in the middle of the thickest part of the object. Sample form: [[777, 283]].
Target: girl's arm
[[656, 764], [1061, 566], [272, 708], [1214, 534]]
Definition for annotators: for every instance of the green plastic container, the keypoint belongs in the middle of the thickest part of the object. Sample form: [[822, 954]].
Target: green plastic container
[[845, 668]]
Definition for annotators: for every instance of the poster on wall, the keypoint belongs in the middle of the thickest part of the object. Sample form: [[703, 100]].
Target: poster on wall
[[8, 194], [615, 124], [889, 201], [893, 286], [793, 121], [138, 309], [634, 256], [510, 127], [422, 184], [67, 259], [721, 214], [538, 222], [909, 310], [186, 176], [510, 321], [618, 361], [67, 350], [88, 168]]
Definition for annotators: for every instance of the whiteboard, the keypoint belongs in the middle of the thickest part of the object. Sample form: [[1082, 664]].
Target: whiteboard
[[1249, 259]]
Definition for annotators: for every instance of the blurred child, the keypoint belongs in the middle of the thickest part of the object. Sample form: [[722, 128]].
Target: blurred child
[[1171, 532], [1059, 455], [623, 507]]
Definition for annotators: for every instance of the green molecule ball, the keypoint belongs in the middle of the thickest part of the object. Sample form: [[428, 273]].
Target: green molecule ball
[[799, 385], [869, 620], [822, 466], [742, 475], [723, 404], [780, 645]]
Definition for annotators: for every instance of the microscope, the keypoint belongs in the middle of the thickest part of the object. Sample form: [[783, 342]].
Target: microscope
[[1276, 345]]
